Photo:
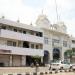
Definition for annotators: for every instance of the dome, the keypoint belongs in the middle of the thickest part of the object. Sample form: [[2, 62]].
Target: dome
[[62, 26], [42, 21]]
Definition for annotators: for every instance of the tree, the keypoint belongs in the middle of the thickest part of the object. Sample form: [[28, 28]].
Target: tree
[[73, 51], [37, 58], [69, 54]]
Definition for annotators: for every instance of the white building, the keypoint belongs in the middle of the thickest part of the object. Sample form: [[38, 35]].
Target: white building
[[73, 48], [56, 39], [20, 42]]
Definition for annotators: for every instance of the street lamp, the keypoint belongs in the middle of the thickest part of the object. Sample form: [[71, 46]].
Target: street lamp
[[36, 70]]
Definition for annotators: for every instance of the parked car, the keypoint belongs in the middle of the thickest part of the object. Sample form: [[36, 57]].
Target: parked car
[[73, 66], [70, 64], [56, 65]]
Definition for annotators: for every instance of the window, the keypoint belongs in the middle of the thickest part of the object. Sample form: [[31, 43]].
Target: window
[[14, 43], [10, 28], [65, 43], [39, 34], [9, 43], [46, 40], [37, 46], [41, 46], [15, 30], [19, 44], [3, 27], [20, 30], [26, 44], [24, 32], [55, 41], [32, 45], [31, 32], [73, 41]]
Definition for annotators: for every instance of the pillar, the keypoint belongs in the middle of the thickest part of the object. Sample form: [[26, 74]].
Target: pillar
[[23, 60], [10, 60], [51, 47], [41, 59], [62, 53], [49, 58], [62, 50], [51, 54]]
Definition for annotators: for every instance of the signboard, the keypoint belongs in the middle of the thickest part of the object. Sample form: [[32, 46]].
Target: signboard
[[5, 51]]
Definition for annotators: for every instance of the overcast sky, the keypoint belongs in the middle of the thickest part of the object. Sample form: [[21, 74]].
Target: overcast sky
[[28, 10]]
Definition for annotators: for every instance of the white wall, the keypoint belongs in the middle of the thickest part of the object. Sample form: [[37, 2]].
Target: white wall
[[22, 51]]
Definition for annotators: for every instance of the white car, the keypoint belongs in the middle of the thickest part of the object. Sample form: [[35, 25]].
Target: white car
[[59, 65]]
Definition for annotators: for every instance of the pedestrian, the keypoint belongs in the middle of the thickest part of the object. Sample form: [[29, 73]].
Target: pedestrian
[[49, 67]]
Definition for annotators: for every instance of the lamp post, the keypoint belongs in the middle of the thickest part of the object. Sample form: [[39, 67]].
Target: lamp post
[[37, 65]]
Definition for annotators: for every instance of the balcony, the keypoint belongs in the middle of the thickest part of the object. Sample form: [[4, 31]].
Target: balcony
[[73, 45], [4, 49], [20, 36]]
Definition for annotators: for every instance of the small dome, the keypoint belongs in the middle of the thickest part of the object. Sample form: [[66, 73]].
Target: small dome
[[62, 26], [61, 23], [42, 21], [42, 17]]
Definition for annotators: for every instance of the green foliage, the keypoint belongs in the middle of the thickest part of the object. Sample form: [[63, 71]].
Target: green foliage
[[36, 56], [68, 53], [73, 51]]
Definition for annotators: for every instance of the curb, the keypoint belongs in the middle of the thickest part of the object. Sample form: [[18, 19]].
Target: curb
[[41, 73]]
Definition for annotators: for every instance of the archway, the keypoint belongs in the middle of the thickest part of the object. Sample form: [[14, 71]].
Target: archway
[[56, 54], [46, 57]]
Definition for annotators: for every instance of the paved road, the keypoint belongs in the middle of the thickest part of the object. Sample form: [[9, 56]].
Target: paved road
[[68, 73]]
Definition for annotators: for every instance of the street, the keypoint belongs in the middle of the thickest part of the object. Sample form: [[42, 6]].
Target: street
[[64, 73]]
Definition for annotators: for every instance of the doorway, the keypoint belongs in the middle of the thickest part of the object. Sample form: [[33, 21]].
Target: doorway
[[46, 57], [1, 64], [56, 54]]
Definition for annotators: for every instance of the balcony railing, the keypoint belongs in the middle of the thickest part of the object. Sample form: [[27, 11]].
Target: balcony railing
[[20, 36], [4, 49]]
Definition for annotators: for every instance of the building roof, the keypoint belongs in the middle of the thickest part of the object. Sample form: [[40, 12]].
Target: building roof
[[19, 25]]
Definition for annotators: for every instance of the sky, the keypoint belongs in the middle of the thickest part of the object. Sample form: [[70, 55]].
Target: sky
[[27, 11]]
